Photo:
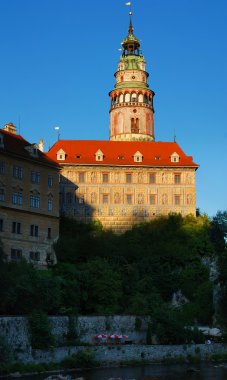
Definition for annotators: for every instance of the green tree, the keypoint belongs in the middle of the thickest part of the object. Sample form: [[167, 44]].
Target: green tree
[[100, 287]]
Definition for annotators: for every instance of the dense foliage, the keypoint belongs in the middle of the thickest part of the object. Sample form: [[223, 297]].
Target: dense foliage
[[137, 272]]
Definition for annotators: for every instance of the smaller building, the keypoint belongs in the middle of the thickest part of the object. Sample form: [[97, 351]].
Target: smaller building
[[29, 200]]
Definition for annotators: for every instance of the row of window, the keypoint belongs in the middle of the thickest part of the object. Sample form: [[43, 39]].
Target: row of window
[[138, 156], [128, 178], [141, 199], [18, 173], [17, 229], [17, 199], [131, 97], [16, 255]]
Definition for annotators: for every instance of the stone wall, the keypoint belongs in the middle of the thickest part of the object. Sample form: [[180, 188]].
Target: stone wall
[[16, 331], [117, 354]]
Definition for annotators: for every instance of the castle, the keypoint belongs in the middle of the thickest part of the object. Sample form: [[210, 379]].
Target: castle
[[124, 181], [130, 178]]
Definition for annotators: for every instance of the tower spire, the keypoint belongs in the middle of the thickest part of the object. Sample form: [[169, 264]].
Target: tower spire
[[130, 29]]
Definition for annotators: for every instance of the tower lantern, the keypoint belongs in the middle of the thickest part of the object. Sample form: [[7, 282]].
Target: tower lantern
[[131, 109]]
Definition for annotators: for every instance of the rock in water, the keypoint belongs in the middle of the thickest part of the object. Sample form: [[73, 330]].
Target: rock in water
[[58, 377], [191, 369]]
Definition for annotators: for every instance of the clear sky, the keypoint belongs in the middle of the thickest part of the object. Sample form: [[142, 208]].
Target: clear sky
[[57, 63]]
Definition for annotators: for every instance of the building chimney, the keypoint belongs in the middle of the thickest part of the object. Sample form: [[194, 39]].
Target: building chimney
[[10, 127], [41, 145]]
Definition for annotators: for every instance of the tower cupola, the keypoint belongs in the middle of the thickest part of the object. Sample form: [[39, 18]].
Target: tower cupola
[[131, 108], [130, 44]]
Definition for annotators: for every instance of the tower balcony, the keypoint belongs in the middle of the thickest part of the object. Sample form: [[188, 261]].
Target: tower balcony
[[134, 104]]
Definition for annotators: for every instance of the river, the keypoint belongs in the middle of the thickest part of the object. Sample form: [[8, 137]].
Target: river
[[205, 371]]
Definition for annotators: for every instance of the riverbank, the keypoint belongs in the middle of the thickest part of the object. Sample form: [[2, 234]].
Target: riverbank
[[120, 354], [101, 356], [207, 371]]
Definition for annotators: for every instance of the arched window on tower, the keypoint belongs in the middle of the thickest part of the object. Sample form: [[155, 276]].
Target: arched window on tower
[[140, 98], [133, 97], [132, 125], [127, 97], [145, 99], [121, 98], [135, 125]]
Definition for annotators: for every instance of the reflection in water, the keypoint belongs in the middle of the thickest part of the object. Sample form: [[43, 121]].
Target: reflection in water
[[151, 372]]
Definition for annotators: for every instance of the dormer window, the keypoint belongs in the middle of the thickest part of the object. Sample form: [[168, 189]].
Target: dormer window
[[175, 157], [120, 157], [138, 157], [32, 150], [99, 155], [78, 156], [61, 155], [157, 158]]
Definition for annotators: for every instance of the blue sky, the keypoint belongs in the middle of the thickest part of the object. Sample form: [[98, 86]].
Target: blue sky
[[57, 63]]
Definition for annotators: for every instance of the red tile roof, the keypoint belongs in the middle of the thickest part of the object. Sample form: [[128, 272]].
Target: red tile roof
[[16, 145], [157, 154]]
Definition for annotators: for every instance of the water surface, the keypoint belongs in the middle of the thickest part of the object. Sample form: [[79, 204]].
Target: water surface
[[151, 372]]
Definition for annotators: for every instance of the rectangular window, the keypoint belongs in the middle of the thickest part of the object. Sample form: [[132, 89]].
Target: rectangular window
[[17, 198], [17, 172], [34, 256], [129, 199], [177, 199], [80, 199], [50, 204], [49, 233], [177, 178], [1, 225], [105, 198], [16, 227], [81, 177], [34, 201], [35, 177], [2, 195], [128, 178], [105, 177], [2, 167], [16, 254], [50, 180], [152, 199], [151, 178], [34, 230]]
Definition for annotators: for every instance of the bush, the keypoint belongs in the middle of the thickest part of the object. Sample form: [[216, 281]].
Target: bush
[[82, 359], [40, 330]]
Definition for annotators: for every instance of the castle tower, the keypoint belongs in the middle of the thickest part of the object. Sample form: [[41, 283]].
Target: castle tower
[[131, 109]]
